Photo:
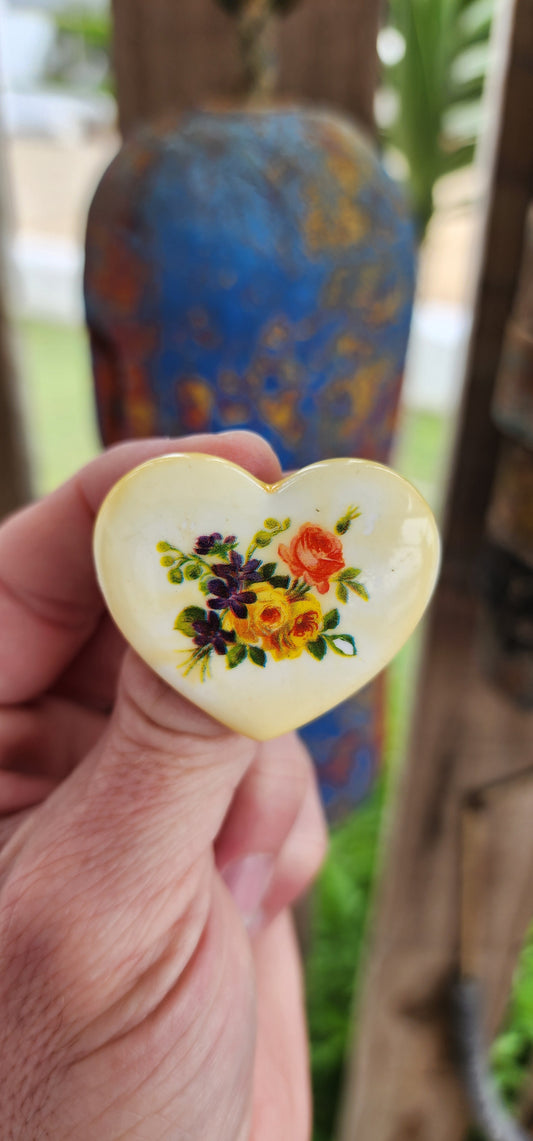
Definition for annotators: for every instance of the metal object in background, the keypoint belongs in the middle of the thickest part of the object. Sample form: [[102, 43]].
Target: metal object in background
[[488, 1110]]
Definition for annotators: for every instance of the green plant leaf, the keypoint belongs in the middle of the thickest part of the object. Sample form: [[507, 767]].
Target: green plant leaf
[[167, 561], [317, 649], [257, 655], [444, 62], [161, 547], [267, 570], [331, 620], [235, 655], [474, 22], [342, 592], [185, 619], [175, 576], [204, 585], [342, 644], [469, 68], [271, 524]]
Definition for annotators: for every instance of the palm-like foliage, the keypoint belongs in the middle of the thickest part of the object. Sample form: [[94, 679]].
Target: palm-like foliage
[[439, 82]]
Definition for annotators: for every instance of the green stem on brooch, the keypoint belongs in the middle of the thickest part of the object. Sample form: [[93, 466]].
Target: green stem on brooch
[[263, 538], [164, 546], [193, 564], [199, 657], [297, 590]]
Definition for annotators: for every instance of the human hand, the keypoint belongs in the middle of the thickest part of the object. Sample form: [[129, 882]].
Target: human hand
[[149, 979]]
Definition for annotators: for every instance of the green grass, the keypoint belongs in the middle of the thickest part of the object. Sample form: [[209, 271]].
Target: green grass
[[55, 366], [512, 1052]]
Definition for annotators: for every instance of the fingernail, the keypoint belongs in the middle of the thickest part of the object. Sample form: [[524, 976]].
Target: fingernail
[[248, 881]]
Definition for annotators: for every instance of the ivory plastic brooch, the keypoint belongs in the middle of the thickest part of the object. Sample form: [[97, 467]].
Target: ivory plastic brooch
[[265, 604]]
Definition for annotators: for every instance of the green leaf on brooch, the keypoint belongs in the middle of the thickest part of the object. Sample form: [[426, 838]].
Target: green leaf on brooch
[[348, 573], [167, 561], [331, 620], [267, 570], [280, 580], [257, 655], [271, 524], [204, 584], [317, 649], [342, 592], [343, 644], [235, 655], [175, 575], [184, 621], [161, 547], [193, 570], [359, 589]]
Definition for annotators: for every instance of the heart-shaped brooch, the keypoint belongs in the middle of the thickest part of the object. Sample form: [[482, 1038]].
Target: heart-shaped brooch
[[264, 604]]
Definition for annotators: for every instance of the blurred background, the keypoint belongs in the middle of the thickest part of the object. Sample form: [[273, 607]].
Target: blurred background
[[434, 104], [60, 128]]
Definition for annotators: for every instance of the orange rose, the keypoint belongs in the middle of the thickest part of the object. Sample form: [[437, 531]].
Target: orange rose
[[314, 555]]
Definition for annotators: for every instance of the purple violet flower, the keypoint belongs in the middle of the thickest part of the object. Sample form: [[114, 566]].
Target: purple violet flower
[[205, 543], [230, 587], [209, 633]]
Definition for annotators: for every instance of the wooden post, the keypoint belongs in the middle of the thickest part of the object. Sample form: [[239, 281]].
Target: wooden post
[[402, 1081], [175, 54]]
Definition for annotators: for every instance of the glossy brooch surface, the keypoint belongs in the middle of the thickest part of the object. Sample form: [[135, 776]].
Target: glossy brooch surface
[[265, 605]]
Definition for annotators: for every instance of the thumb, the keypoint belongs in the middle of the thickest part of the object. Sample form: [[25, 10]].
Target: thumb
[[119, 859], [165, 771]]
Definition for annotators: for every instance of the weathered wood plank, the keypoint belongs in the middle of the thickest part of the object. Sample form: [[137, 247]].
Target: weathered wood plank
[[402, 1082]]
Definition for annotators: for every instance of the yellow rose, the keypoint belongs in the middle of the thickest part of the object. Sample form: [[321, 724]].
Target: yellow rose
[[304, 625], [266, 616]]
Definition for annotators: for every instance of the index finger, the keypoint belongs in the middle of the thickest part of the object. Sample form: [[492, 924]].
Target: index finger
[[50, 604]]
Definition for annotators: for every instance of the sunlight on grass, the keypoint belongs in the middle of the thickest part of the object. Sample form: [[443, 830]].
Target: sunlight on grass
[[56, 369]]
